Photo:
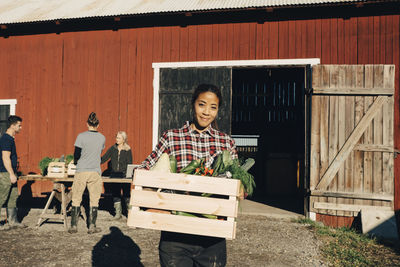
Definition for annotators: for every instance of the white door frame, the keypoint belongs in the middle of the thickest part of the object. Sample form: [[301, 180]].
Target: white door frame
[[210, 64]]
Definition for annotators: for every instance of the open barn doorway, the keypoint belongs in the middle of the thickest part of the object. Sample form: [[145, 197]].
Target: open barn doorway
[[268, 124]]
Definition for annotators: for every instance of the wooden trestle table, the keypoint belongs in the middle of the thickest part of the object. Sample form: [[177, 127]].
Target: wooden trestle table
[[59, 186]]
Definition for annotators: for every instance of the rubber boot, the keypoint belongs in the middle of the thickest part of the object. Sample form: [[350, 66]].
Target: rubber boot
[[128, 206], [13, 220], [74, 219], [118, 210], [92, 221], [5, 226]]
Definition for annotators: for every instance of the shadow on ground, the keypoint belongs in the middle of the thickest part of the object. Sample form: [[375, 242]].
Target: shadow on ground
[[116, 249]]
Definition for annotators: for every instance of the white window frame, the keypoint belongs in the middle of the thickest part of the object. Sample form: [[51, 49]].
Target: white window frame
[[11, 102], [203, 64]]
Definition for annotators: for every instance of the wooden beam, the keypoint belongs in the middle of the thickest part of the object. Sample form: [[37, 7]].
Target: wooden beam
[[182, 224], [370, 196], [352, 91], [346, 207], [374, 148], [194, 204], [183, 182], [350, 143]]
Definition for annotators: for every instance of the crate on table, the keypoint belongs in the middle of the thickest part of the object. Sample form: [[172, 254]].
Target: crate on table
[[143, 201], [56, 169], [71, 169]]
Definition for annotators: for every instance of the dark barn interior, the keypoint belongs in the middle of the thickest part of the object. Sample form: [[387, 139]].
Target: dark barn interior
[[268, 114]]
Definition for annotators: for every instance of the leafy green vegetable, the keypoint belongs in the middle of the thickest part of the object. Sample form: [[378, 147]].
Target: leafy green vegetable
[[191, 168], [43, 164], [246, 178], [173, 163], [248, 164], [68, 159]]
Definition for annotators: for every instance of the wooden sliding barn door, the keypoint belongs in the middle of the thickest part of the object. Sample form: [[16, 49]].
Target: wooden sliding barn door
[[351, 153]]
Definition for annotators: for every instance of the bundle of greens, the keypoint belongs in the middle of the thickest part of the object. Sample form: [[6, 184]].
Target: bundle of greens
[[224, 166]]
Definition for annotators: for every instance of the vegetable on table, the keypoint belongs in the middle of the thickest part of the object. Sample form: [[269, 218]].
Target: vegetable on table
[[44, 162]]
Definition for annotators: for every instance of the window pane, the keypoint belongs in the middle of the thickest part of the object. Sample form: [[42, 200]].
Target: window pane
[[4, 113]]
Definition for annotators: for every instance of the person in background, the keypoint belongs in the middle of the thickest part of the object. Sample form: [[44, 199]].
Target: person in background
[[87, 156], [121, 155], [196, 139], [8, 172]]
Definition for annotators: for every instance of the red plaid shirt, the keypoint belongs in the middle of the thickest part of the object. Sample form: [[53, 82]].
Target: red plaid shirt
[[187, 144]]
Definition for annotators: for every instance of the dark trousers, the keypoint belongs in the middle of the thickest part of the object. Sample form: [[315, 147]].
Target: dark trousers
[[181, 250], [117, 188], [116, 191]]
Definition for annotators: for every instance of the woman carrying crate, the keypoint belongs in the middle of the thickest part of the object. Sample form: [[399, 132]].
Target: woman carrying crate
[[121, 155], [87, 155], [195, 140]]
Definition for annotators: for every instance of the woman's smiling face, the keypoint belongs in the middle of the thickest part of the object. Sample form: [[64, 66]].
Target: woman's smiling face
[[206, 109]]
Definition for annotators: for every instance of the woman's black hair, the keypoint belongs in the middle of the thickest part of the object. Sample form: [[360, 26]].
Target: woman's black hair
[[93, 120], [202, 88]]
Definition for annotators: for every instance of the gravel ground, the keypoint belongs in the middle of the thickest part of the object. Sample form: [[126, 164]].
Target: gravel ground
[[260, 241]]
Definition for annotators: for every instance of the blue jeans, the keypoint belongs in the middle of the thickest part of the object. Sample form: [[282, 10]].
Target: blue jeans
[[181, 250]]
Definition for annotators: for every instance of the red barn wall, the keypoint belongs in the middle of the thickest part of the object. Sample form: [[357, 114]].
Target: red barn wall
[[58, 79]]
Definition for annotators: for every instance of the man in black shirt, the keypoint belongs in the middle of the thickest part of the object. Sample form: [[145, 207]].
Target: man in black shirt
[[8, 172]]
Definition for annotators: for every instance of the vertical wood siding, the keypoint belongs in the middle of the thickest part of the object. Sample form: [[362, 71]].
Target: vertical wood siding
[[59, 78]]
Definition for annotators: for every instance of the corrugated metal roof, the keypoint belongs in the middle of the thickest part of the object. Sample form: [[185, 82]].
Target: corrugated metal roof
[[20, 11]]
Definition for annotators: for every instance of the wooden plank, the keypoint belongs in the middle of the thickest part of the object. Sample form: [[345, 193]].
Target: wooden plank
[[353, 91], [202, 41], [315, 142], [187, 203], [345, 207], [315, 134], [350, 143], [350, 80], [343, 194], [192, 183], [377, 123], [273, 40], [367, 183], [294, 37], [182, 224], [325, 41], [283, 37], [343, 116], [333, 130], [376, 147], [324, 127], [387, 135], [222, 43], [310, 38], [243, 42], [334, 40], [192, 40]]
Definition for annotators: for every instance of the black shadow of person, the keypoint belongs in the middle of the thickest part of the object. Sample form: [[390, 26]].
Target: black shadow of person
[[116, 249], [25, 200]]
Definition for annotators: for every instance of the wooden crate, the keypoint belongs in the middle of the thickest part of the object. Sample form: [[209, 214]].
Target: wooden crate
[[144, 200], [71, 169], [56, 169]]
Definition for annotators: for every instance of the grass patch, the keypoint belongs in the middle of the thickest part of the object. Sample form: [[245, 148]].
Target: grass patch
[[346, 247]]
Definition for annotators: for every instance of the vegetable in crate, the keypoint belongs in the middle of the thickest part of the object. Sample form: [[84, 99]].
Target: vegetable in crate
[[43, 164], [163, 164], [68, 159]]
